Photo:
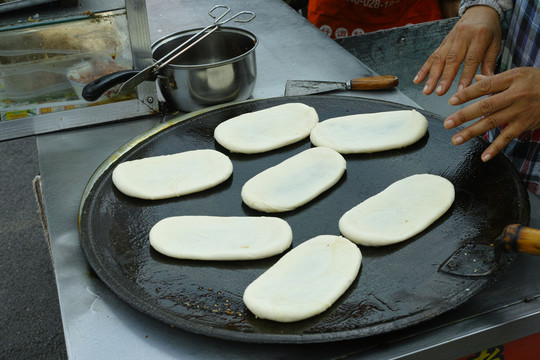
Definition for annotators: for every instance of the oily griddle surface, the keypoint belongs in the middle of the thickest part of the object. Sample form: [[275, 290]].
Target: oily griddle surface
[[398, 285]]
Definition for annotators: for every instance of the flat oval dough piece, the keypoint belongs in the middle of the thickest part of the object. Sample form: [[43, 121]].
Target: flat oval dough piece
[[267, 129], [295, 181], [367, 133], [221, 238], [402, 210], [167, 176], [306, 281]]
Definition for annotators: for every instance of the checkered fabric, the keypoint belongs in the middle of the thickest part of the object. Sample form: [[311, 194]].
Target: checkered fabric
[[522, 42], [521, 48]]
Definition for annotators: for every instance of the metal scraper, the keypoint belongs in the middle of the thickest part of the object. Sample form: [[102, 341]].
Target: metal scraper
[[473, 260], [307, 87]]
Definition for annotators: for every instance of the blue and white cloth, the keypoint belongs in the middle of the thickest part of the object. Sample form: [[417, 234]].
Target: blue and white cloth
[[521, 48]]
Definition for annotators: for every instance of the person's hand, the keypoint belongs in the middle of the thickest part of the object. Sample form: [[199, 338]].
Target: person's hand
[[515, 103], [474, 40]]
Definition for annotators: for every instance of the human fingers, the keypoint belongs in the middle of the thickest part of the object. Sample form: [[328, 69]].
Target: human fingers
[[468, 50], [485, 85], [482, 53], [433, 67], [519, 117], [516, 106], [517, 89], [490, 59], [474, 37], [443, 65], [454, 58], [424, 71], [483, 125], [500, 142], [433, 57], [474, 111], [485, 28]]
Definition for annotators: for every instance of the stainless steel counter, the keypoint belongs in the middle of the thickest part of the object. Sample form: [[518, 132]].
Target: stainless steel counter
[[98, 325]]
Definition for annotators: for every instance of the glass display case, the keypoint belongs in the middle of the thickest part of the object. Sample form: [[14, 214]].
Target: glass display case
[[48, 58]]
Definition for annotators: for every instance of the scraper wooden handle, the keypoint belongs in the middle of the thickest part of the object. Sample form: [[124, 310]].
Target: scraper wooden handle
[[517, 238], [375, 82]]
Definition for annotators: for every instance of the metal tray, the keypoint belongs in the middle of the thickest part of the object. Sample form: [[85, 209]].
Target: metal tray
[[398, 285]]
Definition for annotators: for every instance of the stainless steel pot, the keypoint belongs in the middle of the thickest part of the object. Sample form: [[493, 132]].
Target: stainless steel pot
[[220, 68]]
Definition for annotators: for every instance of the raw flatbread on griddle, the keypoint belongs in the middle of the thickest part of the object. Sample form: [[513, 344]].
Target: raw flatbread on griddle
[[305, 281], [295, 181], [367, 133], [221, 238], [402, 210], [267, 129], [167, 176]]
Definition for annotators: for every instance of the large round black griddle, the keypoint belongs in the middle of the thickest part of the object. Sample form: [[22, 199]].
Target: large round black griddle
[[398, 285]]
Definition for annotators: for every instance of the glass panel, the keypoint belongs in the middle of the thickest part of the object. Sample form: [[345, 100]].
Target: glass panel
[[44, 68]]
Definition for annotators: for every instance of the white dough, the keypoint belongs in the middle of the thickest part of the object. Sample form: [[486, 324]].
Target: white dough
[[267, 129], [306, 281], [366, 133], [402, 210], [295, 181], [168, 176], [221, 238]]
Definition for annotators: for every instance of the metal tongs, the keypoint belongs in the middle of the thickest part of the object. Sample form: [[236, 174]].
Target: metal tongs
[[131, 78]]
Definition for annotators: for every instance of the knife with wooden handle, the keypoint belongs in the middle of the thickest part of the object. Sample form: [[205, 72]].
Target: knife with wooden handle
[[307, 87]]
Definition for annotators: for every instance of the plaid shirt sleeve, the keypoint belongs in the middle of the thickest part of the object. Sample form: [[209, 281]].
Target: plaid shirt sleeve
[[521, 48]]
